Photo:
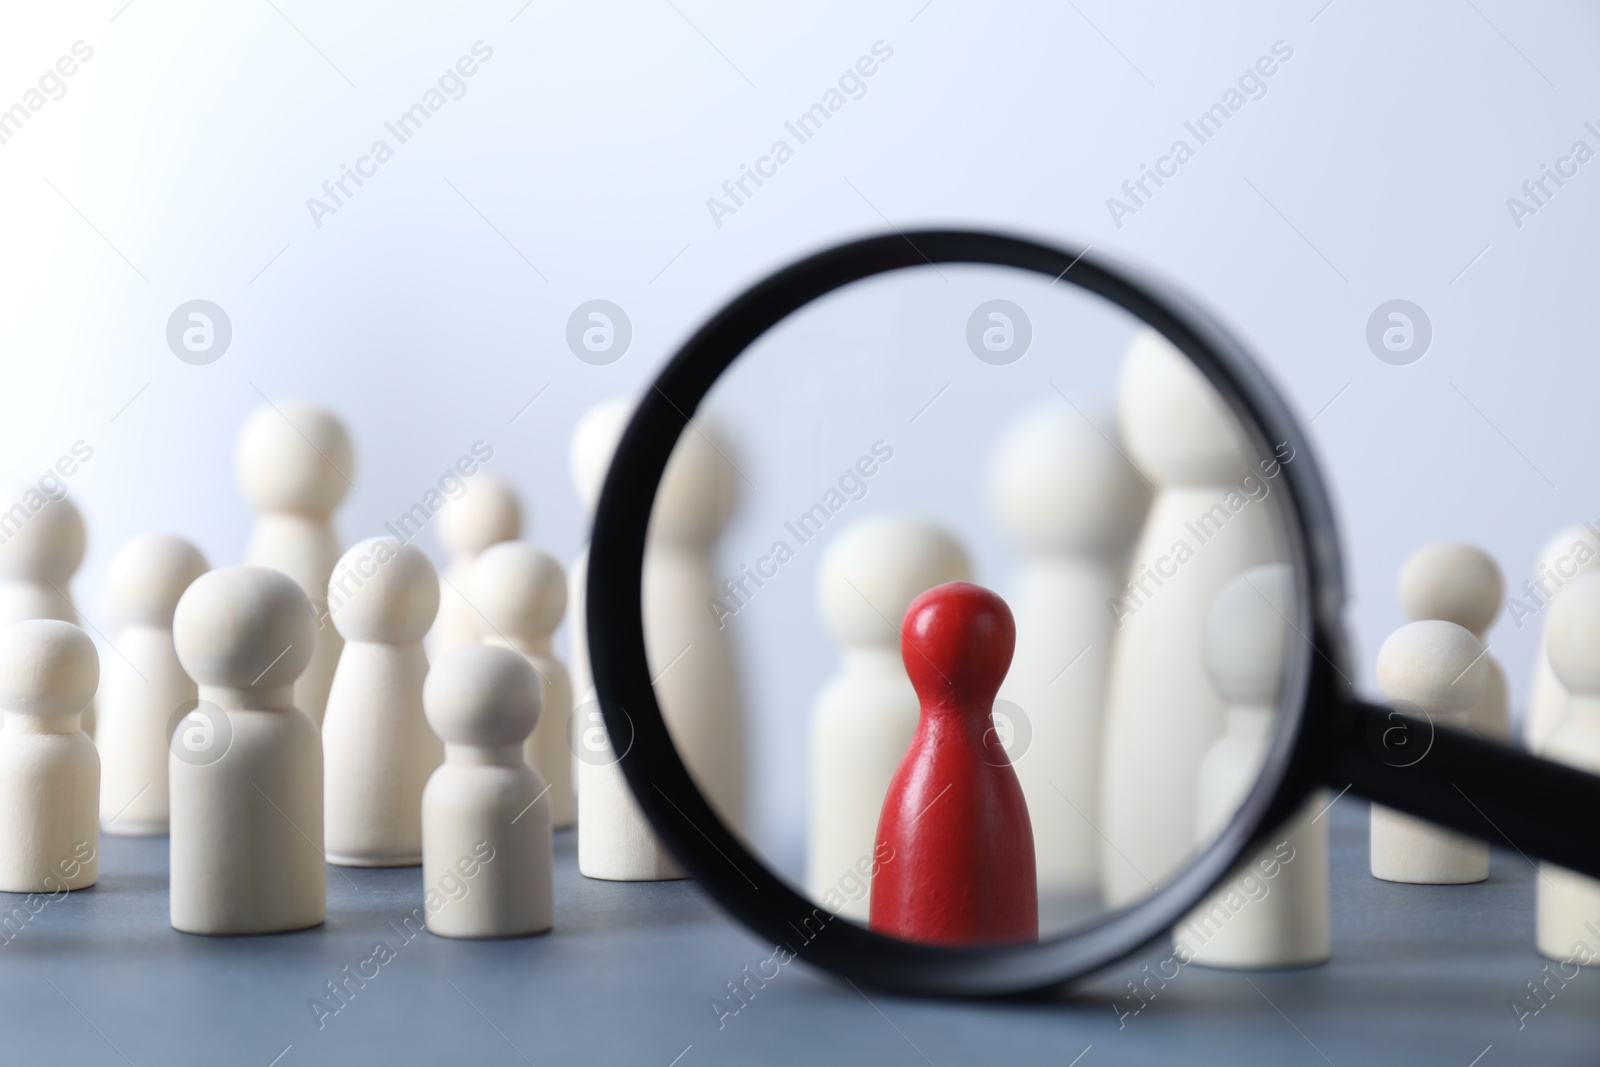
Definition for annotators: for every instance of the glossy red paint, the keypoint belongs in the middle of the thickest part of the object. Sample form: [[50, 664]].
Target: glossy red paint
[[954, 818]]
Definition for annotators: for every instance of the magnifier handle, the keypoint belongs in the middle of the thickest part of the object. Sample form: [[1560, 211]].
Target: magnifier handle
[[1450, 777]]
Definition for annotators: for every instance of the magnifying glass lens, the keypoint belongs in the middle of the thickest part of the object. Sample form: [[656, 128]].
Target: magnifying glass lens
[[969, 606]]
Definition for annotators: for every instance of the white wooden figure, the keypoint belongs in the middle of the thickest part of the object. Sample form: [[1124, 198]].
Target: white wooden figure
[[246, 765], [690, 651], [1212, 518], [49, 771], [1432, 669], [1273, 911], [40, 551], [1071, 504], [377, 748], [1461, 583], [867, 713], [615, 841], [1567, 904], [486, 514], [144, 686], [486, 812], [522, 593], [1570, 554], [294, 463]]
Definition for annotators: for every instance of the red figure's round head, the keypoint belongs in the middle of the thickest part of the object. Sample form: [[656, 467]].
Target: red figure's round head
[[956, 642]]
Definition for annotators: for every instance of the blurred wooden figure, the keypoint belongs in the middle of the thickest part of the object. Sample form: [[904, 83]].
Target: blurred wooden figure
[[1567, 905], [294, 462], [38, 557], [377, 749], [522, 593], [866, 714], [1432, 671], [486, 514], [49, 771], [1274, 911], [145, 688], [1461, 583]]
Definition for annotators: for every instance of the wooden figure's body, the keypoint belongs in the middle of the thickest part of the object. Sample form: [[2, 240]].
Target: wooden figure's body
[[377, 748], [1461, 583], [690, 651], [144, 686], [294, 462], [1071, 504], [1274, 911], [1433, 669], [615, 841], [1212, 518], [522, 594], [486, 514], [245, 768], [954, 847], [1567, 904], [1569, 555], [37, 561], [487, 854]]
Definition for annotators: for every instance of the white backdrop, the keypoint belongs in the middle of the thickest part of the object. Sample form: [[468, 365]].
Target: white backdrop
[[576, 162]]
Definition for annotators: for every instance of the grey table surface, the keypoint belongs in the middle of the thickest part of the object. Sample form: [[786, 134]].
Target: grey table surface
[[1420, 975]]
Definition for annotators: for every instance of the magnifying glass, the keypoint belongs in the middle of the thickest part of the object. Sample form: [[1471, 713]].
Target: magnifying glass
[[947, 462]]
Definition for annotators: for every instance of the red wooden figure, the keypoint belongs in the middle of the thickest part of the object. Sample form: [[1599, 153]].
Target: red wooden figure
[[954, 820]]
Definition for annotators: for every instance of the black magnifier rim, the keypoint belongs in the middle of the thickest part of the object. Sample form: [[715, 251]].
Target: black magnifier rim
[[739, 880]]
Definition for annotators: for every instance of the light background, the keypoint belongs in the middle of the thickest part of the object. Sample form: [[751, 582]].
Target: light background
[[432, 307]]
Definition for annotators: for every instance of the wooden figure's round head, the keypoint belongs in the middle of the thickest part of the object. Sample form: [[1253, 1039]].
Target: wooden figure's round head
[[1572, 636], [956, 642], [1247, 636], [1175, 424], [244, 628], [147, 576], [294, 457], [520, 589], [698, 489], [383, 590], [1432, 666], [486, 514], [1453, 581], [482, 695], [594, 442], [44, 537], [47, 667], [1057, 483], [876, 567]]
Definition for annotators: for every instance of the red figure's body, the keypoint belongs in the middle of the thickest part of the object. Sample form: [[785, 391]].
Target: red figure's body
[[954, 819]]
